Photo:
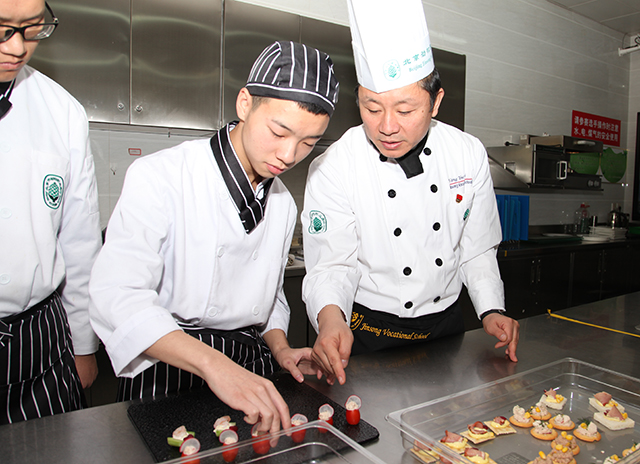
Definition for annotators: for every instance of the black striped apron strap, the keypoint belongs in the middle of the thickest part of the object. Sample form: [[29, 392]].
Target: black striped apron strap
[[245, 347], [38, 375]]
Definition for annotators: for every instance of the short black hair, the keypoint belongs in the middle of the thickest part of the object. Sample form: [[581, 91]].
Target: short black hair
[[312, 108], [431, 84]]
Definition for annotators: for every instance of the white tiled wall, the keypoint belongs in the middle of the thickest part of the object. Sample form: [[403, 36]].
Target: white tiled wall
[[529, 64], [111, 151]]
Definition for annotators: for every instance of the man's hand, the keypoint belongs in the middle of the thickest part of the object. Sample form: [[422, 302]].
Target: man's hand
[[333, 345], [239, 388], [87, 368], [295, 360], [506, 330]]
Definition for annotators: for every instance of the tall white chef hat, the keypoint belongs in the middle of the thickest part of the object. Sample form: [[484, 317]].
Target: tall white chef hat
[[391, 45]]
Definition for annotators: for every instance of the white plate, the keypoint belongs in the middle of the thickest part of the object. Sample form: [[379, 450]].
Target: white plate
[[594, 238]]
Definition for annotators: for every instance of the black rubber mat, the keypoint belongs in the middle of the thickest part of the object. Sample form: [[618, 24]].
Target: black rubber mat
[[156, 419]]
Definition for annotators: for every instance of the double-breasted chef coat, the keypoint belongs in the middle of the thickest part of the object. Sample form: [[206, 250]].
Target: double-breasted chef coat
[[176, 252], [49, 215], [401, 245], [49, 238]]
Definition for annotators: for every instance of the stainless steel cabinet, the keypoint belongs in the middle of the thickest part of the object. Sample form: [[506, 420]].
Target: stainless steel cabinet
[[336, 41], [248, 30], [138, 62], [175, 63], [181, 64], [89, 55]]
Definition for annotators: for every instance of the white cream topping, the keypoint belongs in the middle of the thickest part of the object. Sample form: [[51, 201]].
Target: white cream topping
[[351, 405]]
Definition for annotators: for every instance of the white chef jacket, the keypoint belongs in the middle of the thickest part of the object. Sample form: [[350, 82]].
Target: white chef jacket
[[398, 245], [49, 215], [176, 251]]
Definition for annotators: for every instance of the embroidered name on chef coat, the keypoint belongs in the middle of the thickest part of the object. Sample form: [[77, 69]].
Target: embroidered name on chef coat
[[457, 182]]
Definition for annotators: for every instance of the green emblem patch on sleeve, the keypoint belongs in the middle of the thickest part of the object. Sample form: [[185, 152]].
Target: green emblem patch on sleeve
[[317, 222], [53, 190]]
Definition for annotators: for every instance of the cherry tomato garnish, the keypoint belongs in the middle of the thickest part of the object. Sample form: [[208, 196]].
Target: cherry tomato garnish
[[260, 446], [353, 416], [229, 455]]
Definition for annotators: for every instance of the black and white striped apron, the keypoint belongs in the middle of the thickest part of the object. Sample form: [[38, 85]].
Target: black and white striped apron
[[38, 375], [245, 347]]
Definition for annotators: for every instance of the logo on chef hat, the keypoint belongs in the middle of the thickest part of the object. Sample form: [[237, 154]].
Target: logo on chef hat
[[52, 190], [392, 70], [317, 222]]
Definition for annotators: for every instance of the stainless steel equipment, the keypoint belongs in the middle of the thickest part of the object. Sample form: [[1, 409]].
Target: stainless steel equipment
[[617, 219], [545, 162], [180, 64]]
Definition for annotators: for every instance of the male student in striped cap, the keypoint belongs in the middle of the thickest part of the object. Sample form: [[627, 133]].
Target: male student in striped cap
[[188, 288]]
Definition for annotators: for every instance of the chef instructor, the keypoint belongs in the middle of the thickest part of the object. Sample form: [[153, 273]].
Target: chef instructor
[[399, 213], [49, 228]]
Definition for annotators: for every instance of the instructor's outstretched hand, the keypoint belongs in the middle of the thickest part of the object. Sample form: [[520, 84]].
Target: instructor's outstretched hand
[[506, 330], [333, 345]]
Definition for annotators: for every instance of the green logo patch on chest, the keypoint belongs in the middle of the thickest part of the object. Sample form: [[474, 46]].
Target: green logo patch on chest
[[53, 190], [317, 222]]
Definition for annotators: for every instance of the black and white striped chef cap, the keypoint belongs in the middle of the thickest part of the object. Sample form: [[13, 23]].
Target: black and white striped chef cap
[[294, 71]]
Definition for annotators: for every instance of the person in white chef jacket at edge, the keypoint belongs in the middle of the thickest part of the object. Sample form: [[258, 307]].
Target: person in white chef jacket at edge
[[400, 212], [49, 228], [191, 273]]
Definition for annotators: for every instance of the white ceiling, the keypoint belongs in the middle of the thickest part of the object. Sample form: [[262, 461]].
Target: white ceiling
[[620, 15]]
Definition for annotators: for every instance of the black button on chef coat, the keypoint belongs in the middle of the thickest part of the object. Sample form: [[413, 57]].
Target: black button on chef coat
[[397, 232], [436, 226], [406, 271], [408, 305], [391, 193], [436, 299], [438, 262], [427, 151], [434, 188]]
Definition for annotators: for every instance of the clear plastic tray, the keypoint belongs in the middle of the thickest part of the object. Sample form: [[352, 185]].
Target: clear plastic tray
[[322, 443], [575, 380]]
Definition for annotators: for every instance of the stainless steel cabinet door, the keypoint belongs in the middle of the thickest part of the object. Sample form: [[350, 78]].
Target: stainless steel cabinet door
[[248, 29], [175, 65], [89, 56], [335, 40]]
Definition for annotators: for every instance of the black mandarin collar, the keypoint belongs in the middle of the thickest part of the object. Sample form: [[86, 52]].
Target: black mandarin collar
[[410, 162], [250, 209], [5, 92]]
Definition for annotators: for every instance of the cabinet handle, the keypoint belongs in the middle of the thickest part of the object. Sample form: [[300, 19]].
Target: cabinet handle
[[562, 170]]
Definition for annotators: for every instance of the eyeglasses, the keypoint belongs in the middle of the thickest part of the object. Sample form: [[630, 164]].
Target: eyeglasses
[[33, 31]]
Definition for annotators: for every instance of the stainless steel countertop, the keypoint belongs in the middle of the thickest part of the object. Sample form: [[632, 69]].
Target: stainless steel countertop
[[386, 381]]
